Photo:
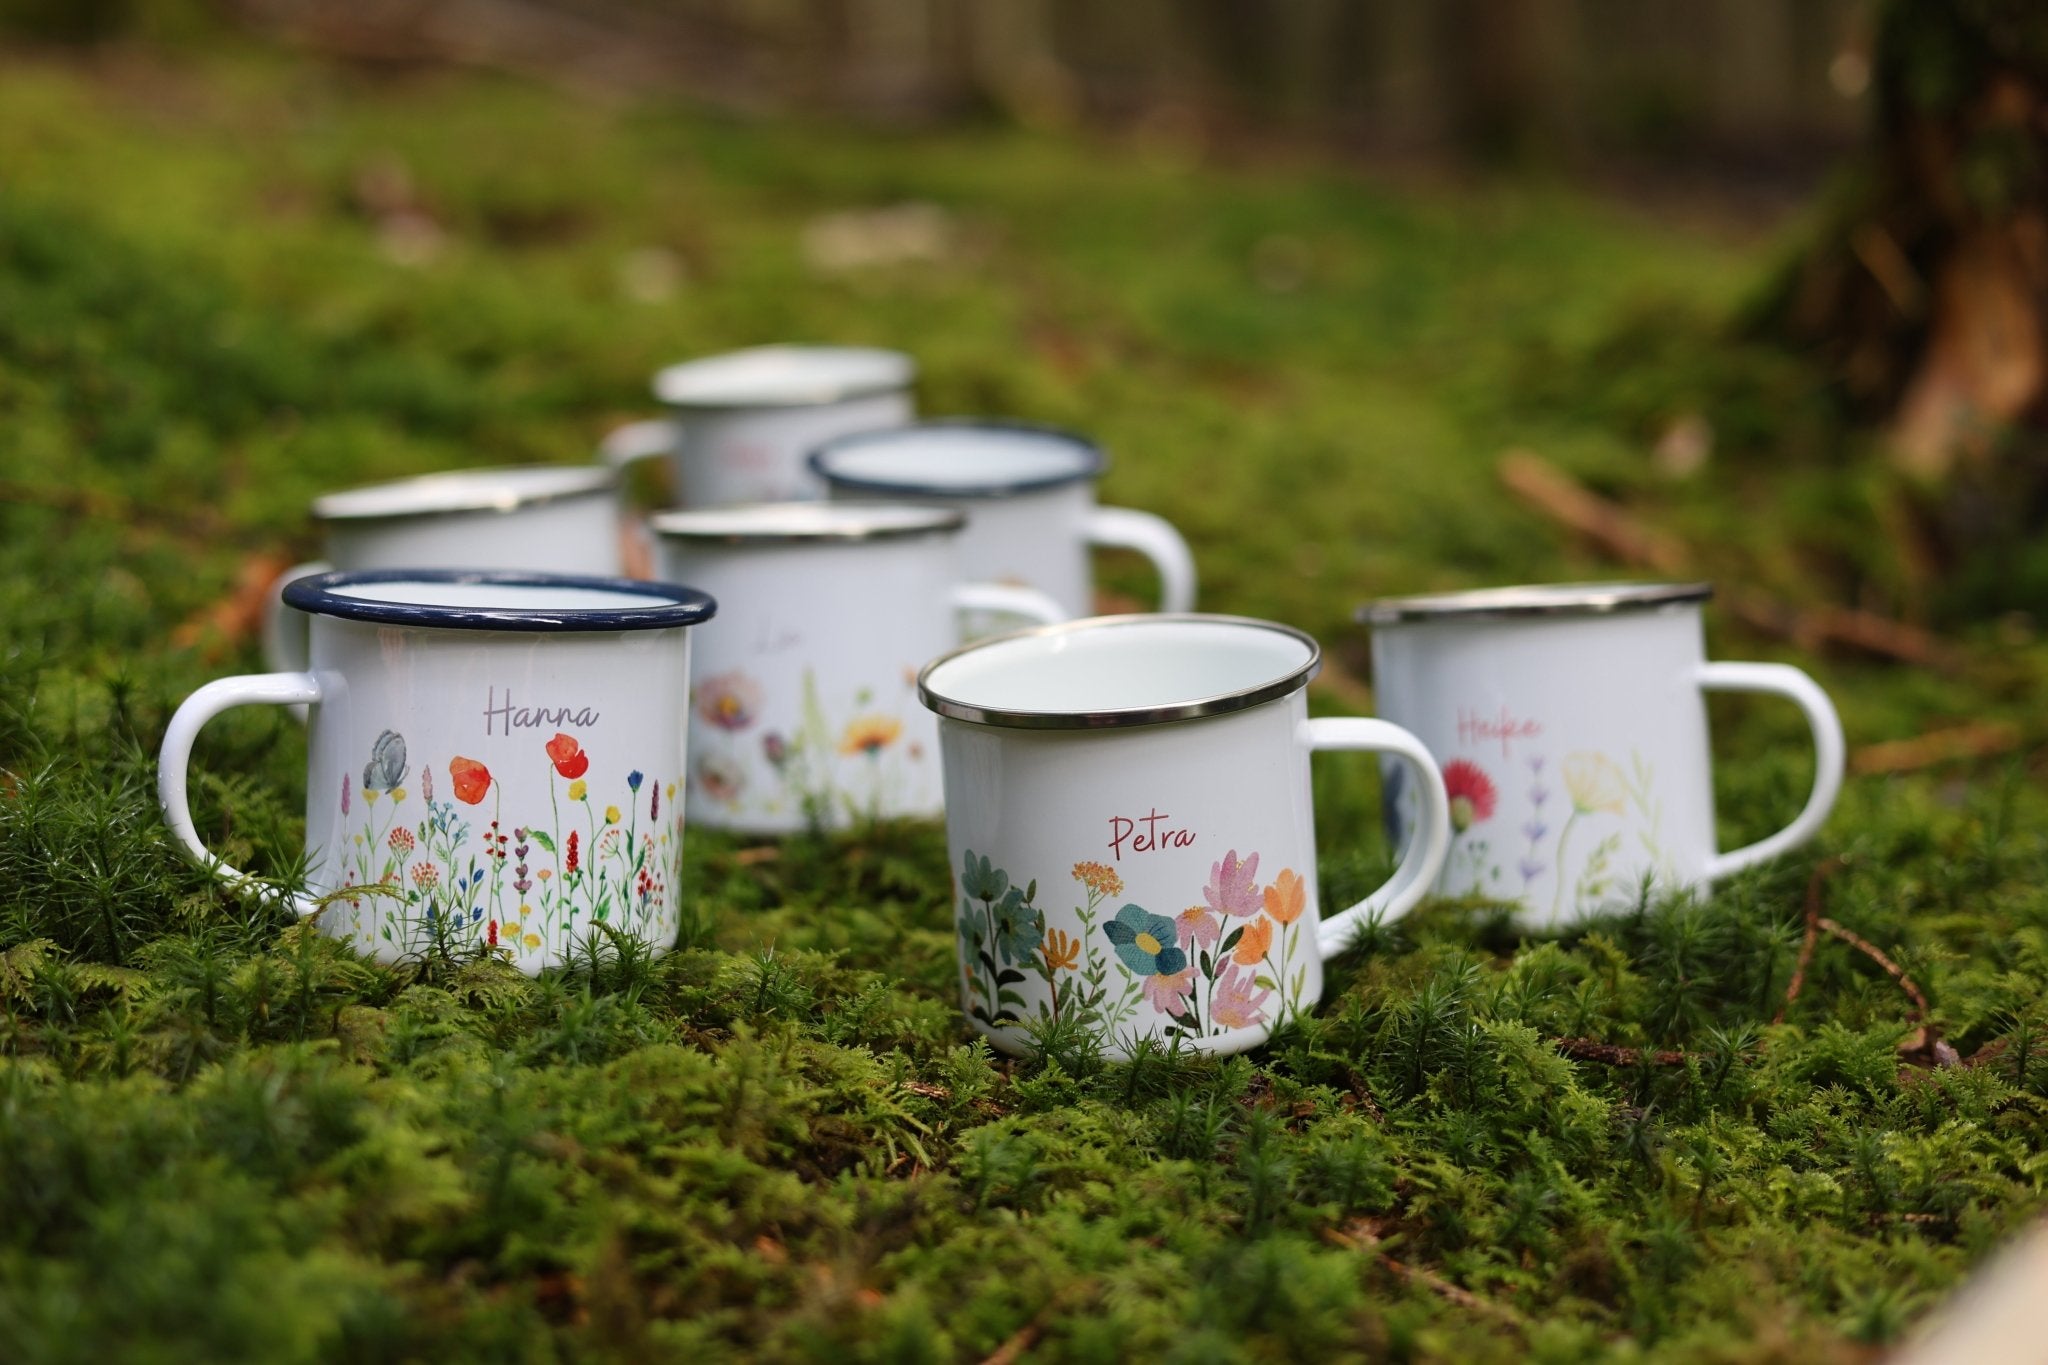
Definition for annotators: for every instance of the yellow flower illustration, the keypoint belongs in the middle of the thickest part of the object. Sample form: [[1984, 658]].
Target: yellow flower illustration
[[1099, 878], [397, 795], [870, 735], [525, 910], [370, 795], [670, 791], [532, 940], [611, 815], [1287, 897], [1594, 783], [578, 789]]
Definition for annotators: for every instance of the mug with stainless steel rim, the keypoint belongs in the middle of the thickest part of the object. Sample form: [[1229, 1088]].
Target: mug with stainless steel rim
[[1029, 495], [494, 760], [1571, 724], [1131, 830], [740, 424], [540, 518], [803, 709]]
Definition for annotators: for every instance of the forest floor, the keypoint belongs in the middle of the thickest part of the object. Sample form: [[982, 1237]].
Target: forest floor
[[230, 280]]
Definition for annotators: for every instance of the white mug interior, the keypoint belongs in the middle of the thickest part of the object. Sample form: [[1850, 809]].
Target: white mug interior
[[1119, 666], [958, 459]]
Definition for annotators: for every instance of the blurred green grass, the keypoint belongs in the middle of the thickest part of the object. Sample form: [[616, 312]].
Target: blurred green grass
[[231, 280]]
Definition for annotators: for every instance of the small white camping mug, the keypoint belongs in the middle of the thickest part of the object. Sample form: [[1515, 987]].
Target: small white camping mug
[[740, 424], [1131, 831], [537, 518], [803, 707], [493, 759], [1572, 730], [1029, 495]]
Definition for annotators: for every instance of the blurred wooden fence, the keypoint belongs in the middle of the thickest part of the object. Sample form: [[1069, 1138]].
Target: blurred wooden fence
[[1758, 77]]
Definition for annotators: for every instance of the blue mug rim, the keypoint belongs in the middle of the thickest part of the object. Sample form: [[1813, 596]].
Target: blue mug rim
[[678, 605]]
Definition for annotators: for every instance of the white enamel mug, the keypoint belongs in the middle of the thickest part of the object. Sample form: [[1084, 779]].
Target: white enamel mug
[[740, 424], [803, 697], [1029, 495], [537, 518], [493, 759], [1571, 725], [1131, 831]]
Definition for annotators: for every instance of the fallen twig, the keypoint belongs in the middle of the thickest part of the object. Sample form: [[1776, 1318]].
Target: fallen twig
[[1613, 1054], [1876, 954], [1362, 1234], [1623, 536], [1814, 884], [1979, 739]]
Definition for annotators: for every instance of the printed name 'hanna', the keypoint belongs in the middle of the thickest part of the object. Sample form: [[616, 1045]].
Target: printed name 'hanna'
[[532, 717]]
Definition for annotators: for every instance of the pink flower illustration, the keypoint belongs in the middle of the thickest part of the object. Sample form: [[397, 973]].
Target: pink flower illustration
[[1233, 886], [730, 701], [1471, 792], [1167, 993], [1238, 1002], [1196, 925]]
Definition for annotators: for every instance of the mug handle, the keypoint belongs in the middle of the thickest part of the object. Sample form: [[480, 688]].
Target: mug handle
[[175, 758], [1424, 856], [637, 441], [1153, 537], [285, 632], [1828, 752], [1009, 600]]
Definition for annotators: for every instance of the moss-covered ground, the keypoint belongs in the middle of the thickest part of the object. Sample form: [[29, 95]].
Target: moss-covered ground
[[231, 280]]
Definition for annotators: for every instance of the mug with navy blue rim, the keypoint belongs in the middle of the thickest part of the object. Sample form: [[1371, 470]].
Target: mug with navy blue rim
[[494, 760]]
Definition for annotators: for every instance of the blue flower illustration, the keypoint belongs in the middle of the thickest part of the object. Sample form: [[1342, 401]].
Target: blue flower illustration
[[980, 880], [1146, 942], [1018, 927]]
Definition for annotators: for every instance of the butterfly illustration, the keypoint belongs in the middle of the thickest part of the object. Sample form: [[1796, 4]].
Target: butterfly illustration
[[386, 768]]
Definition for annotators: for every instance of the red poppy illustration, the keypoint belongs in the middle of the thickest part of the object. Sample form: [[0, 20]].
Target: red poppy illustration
[[569, 758], [1471, 791], [472, 779]]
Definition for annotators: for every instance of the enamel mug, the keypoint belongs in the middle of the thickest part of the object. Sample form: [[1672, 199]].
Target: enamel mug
[[494, 760], [1131, 832], [803, 704], [1029, 495], [1571, 725], [740, 424], [538, 518]]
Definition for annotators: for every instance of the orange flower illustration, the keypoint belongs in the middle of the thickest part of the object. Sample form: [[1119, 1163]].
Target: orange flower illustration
[[1061, 952], [1099, 878], [472, 779], [1251, 949], [1287, 897], [870, 735]]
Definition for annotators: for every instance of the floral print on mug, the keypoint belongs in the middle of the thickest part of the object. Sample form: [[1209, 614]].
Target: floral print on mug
[[458, 871]]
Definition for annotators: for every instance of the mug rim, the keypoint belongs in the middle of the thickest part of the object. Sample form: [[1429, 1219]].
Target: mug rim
[[895, 372], [1534, 600], [1094, 461], [1194, 708], [679, 605], [829, 523], [570, 481]]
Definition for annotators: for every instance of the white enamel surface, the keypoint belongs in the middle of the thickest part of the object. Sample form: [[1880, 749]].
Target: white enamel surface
[[1141, 664], [577, 534], [500, 597], [499, 699], [429, 762], [467, 490], [1130, 855], [804, 700], [1037, 540], [965, 458], [808, 519], [761, 376], [1579, 746], [743, 455], [1037, 803]]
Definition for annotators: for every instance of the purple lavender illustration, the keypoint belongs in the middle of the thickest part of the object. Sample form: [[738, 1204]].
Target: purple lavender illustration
[[1531, 867]]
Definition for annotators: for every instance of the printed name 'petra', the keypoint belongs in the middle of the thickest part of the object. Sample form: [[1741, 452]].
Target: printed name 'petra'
[[1124, 834], [532, 717]]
